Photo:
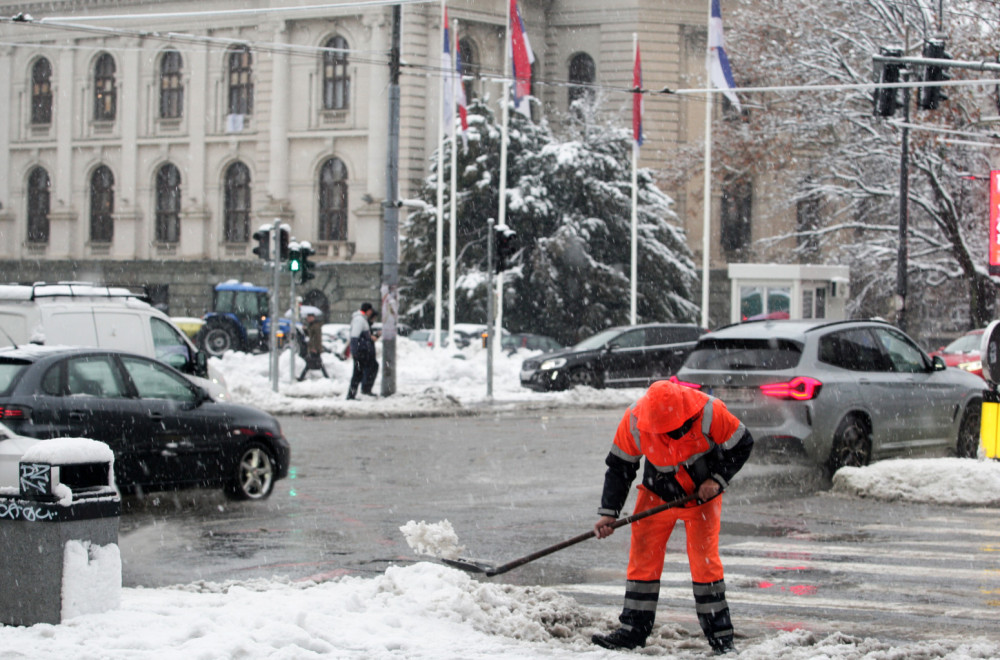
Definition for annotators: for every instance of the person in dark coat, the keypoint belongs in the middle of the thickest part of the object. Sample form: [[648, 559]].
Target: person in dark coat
[[363, 352], [314, 339]]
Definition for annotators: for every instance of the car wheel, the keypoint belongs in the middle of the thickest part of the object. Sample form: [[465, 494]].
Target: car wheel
[[852, 444], [583, 376], [254, 478], [969, 430], [219, 336]]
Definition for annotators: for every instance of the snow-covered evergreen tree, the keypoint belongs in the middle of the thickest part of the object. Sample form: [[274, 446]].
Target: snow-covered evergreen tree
[[569, 200]]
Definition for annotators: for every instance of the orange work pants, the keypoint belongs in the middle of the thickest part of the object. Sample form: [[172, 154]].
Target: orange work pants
[[650, 536]]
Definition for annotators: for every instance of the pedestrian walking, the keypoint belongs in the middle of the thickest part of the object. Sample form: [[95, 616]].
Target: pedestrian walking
[[314, 346], [692, 445], [362, 352]]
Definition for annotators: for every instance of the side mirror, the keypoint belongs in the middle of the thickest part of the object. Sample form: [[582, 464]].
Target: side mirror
[[201, 364], [939, 363]]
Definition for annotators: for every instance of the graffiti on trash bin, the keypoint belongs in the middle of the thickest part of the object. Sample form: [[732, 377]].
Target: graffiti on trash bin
[[35, 478], [17, 511]]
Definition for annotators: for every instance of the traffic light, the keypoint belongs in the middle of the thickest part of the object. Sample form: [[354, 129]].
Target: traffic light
[[285, 233], [887, 99], [263, 238], [931, 96], [306, 272], [294, 258], [506, 247]]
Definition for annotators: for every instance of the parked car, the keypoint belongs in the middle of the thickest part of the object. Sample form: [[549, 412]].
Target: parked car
[[425, 337], [165, 432], [843, 393], [89, 314], [964, 352], [531, 342], [626, 356]]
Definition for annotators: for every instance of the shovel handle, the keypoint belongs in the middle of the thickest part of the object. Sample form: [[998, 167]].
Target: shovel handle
[[621, 522]]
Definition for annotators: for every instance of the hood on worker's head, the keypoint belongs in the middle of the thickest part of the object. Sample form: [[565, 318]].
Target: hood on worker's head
[[666, 406]]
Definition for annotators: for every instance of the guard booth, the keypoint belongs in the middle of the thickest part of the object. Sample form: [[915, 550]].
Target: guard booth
[[990, 425], [788, 291]]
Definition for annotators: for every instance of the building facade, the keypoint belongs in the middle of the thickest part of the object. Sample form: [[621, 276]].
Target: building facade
[[134, 133]]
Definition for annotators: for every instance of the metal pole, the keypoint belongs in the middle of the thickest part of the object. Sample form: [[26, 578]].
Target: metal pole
[[904, 194], [275, 283], [490, 224], [390, 232], [293, 340]]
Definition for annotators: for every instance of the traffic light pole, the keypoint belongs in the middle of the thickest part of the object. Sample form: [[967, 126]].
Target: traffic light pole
[[490, 312], [275, 283], [904, 211]]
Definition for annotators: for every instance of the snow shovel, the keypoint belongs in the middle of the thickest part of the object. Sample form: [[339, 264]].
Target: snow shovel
[[488, 570]]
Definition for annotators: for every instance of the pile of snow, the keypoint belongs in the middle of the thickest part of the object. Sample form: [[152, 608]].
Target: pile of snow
[[423, 611], [925, 480], [436, 540], [446, 381]]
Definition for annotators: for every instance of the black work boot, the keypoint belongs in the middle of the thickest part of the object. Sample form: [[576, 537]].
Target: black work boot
[[722, 645], [636, 618], [713, 615], [620, 639]]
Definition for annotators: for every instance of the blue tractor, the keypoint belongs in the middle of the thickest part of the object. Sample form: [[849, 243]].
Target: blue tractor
[[238, 320]]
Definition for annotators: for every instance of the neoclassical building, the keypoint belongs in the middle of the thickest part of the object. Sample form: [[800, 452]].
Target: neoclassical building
[[158, 132]]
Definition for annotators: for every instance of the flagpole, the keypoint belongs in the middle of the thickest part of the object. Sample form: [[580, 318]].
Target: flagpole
[[453, 221], [707, 186], [502, 212], [438, 238], [635, 197]]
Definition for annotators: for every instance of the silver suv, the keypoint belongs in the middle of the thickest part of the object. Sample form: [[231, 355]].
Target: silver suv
[[842, 392]]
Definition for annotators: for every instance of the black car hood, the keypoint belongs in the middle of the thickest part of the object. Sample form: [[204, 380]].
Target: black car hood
[[572, 357]]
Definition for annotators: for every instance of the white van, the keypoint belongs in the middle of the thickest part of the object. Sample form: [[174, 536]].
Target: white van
[[86, 314]]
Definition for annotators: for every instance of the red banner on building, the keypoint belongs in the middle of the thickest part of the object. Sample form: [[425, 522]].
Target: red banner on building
[[995, 222]]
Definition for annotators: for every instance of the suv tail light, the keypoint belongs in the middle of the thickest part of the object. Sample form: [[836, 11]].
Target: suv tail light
[[15, 413], [678, 381], [800, 388]]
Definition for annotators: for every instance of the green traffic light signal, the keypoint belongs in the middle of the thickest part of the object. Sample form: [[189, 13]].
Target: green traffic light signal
[[294, 260]]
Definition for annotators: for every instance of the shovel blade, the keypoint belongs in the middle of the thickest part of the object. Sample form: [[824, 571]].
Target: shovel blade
[[471, 566]]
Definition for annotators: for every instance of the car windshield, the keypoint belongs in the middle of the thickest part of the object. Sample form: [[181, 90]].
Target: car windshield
[[965, 344], [745, 355], [8, 374], [598, 340]]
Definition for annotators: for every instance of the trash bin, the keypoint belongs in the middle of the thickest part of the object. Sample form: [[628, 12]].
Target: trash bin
[[59, 534]]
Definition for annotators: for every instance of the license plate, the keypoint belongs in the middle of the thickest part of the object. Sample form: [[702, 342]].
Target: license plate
[[734, 394]]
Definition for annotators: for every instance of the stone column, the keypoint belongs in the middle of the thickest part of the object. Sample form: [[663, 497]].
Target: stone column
[[65, 236], [130, 240], [197, 238]]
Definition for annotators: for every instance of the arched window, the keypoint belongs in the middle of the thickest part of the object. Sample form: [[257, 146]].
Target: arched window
[[41, 92], [333, 201], [336, 83], [168, 204], [38, 206], [240, 82], [105, 95], [582, 74], [171, 86], [102, 205], [237, 211], [470, 67]]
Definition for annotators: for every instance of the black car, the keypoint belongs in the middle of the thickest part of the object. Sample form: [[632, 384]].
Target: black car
[[165, 432], [626, 356]]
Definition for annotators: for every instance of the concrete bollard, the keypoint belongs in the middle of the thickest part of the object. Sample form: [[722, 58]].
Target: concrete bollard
[[59, 534]]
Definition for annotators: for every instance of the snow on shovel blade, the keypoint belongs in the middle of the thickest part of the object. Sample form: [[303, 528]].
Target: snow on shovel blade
[[471, 566]]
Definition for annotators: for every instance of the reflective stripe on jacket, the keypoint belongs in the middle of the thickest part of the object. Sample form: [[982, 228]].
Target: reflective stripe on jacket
[[686, 437]]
